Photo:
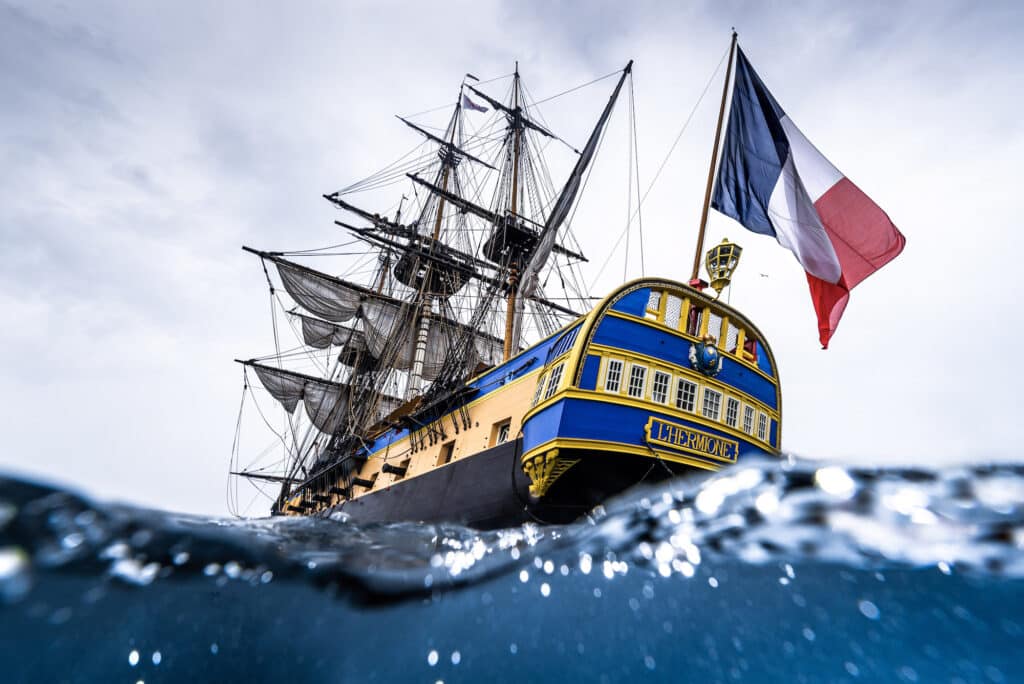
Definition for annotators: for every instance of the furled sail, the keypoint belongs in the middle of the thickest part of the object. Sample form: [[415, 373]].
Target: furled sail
[[322, 334], [327, 297], [326, 402], [390, 337]]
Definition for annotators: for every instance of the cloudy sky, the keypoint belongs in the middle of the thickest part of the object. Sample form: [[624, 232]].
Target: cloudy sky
[[142, 143]]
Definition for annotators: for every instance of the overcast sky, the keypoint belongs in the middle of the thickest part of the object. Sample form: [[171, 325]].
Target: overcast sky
[[142, 143]]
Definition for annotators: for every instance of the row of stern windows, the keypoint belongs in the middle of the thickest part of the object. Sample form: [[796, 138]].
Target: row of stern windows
[[679, 314], [638, 381]]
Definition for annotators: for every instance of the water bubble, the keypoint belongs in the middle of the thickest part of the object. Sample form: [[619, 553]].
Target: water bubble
[[513, 648], [809, 634], [524, 576], [134, 572], [214, 648], [266, 577], [456, 657], [564, 570], [13, 561], [649, 662], [868, 609], [835, 481], [549, 567], [181, 558], [73, 540], [211, 569], [232, 569], [432, 658], [157, 657], [586, 562], [713, 582], [597, 592], [133, 658], [767, 503], [851, 668], [545, 590]]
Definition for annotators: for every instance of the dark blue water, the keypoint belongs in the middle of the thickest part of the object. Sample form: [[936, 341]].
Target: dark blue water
[[771, 572]]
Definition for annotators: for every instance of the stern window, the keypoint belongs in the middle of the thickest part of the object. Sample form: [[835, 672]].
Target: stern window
[[686, 395], [637, 381], [712, 403], [539, 392], [613, 376], [762, 427], [732, 412], [659, 388], [554, 381], [748, 420]]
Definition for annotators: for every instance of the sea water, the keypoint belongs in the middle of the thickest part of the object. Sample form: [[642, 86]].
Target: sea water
[[782, 571]]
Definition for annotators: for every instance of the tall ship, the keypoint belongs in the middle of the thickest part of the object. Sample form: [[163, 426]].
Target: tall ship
[[459, 371]]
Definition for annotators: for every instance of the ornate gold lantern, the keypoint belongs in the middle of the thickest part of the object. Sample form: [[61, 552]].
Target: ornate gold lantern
[[721, 261]]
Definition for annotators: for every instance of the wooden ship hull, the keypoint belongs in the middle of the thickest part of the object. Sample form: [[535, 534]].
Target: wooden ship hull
[[609, 401]]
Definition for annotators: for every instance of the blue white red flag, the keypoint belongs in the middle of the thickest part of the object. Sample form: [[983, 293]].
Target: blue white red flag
[[775, 182], [469, 104]]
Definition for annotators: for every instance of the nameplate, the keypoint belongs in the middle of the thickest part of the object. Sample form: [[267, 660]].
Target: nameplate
[[684, 438]]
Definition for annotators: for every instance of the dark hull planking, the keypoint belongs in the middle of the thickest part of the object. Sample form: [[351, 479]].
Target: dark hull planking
[[489, 490]]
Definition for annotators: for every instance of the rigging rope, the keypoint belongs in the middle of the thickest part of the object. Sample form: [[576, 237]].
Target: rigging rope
[[664, 161]]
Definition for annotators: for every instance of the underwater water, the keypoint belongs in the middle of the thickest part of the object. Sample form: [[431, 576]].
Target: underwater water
[[784, 571]]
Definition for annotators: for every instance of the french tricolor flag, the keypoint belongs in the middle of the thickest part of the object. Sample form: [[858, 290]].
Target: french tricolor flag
[[774, 181]]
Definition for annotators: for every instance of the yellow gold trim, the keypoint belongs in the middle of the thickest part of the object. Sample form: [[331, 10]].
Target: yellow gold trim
[[691, 435], [544, 468], [621, 448]]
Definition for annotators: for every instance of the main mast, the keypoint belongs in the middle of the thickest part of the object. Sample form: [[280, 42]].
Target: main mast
[[448, 162]]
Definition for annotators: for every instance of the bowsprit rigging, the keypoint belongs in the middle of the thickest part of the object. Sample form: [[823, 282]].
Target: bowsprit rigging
[[439, 364]]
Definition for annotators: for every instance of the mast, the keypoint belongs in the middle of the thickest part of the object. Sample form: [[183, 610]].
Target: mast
[[513, 274], [419, 355], [714, 159]]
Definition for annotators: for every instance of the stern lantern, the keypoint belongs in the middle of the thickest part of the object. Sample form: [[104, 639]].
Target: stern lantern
[[721, 261]]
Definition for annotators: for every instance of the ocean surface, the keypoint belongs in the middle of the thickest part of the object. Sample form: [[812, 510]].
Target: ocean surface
[[782, 571]]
